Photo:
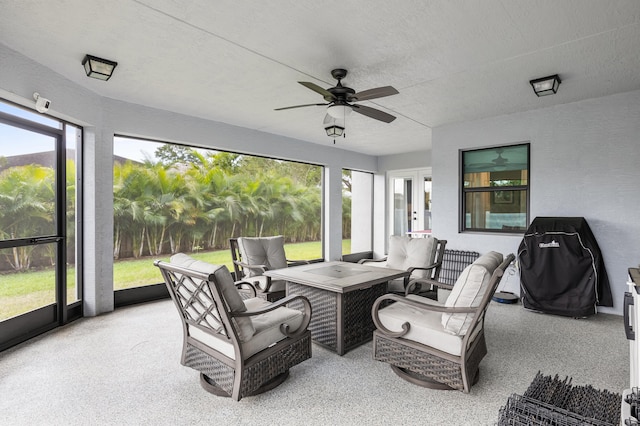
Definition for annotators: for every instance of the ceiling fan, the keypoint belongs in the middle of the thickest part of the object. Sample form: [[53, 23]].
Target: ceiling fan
[[341, 99]]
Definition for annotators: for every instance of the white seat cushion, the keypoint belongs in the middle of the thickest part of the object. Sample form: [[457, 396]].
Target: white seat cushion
[[267, 328], [425, 326], [468, 290], [268, 325], [267, 251], [245, 328]]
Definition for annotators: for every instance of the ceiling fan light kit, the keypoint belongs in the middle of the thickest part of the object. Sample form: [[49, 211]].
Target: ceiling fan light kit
[[334, 131], [339, 112], [546, 85], [341, 101]]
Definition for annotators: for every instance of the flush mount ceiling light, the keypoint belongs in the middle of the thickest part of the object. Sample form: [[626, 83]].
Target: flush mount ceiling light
[[334, 131], [99, 68], [546, 85]]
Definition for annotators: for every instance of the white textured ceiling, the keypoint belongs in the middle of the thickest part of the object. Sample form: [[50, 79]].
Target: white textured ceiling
[[235, 61]]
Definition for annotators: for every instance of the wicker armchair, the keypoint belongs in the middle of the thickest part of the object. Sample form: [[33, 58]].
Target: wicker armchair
[[438, 345], [252, 256], [420, 256], [240, 347]]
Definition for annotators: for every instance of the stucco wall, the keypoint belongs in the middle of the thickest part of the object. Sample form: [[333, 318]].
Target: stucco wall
[[585, 161]]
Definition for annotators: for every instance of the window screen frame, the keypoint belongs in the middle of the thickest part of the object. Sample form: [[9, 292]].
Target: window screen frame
[[463, 191]]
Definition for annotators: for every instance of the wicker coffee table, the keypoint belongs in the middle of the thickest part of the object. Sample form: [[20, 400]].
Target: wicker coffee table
[[341, 296]]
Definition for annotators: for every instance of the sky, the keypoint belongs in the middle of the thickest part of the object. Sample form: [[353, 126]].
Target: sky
[[16, 141], [134, 149]]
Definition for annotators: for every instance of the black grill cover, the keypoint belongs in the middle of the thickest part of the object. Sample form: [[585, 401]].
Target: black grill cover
[[561, 268]]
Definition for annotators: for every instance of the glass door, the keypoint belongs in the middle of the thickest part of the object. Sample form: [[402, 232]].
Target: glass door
[[33, 225], [409, 211], [403, 214], [426, 201]]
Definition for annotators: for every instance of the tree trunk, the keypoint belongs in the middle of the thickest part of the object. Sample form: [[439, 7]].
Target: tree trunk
[[149, 244], [116, 244], [141, 250], [159, 250], [16, 259], [215, 233]]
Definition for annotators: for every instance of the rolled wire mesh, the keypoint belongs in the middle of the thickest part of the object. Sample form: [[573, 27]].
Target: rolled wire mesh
[[552, 401]]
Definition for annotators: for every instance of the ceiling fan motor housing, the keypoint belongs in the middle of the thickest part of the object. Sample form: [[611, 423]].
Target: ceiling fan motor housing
[[339, 73]]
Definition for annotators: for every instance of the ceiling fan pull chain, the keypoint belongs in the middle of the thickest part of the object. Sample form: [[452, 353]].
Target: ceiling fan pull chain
[[344, 134]]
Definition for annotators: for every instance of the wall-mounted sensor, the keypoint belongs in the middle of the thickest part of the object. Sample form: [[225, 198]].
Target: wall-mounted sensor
[[42, 104]]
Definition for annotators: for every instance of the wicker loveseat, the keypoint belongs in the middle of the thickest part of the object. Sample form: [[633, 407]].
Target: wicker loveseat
[[439, 345], [241, 346]]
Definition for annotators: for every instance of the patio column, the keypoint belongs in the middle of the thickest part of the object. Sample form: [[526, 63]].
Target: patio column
[[332, 212], [97, 148]]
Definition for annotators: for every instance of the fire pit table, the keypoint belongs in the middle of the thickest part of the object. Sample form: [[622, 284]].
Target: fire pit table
[[341, 296]]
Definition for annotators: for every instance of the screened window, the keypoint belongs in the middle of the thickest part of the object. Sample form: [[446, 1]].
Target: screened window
[[495, 189], [171, 198]]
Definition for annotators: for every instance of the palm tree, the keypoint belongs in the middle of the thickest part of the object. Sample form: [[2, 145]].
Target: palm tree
[[126, 214], [129, 206], [203, 201], [27, 208]]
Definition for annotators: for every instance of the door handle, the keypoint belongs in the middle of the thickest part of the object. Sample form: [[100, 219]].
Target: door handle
[[628, 329], [44, 240]]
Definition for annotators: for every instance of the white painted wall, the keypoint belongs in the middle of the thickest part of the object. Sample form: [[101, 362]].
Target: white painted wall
[[407, 160], [585, 161]]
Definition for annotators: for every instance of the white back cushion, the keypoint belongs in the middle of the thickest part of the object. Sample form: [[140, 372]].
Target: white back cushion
[[406, 252], [267, 251], [468, 291]]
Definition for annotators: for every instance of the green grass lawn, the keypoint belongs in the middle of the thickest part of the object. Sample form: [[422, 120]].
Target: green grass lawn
[[25, 291]]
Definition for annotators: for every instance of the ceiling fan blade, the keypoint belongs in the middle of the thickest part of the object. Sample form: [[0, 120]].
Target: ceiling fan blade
[[373, 113], [299, 106], [325, 93], [378, 92]]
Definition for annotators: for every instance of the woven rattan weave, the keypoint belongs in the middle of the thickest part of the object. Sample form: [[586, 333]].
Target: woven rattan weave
[[425, 365], [340, 318], [341, 295], [256, 372], [201, 303]]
